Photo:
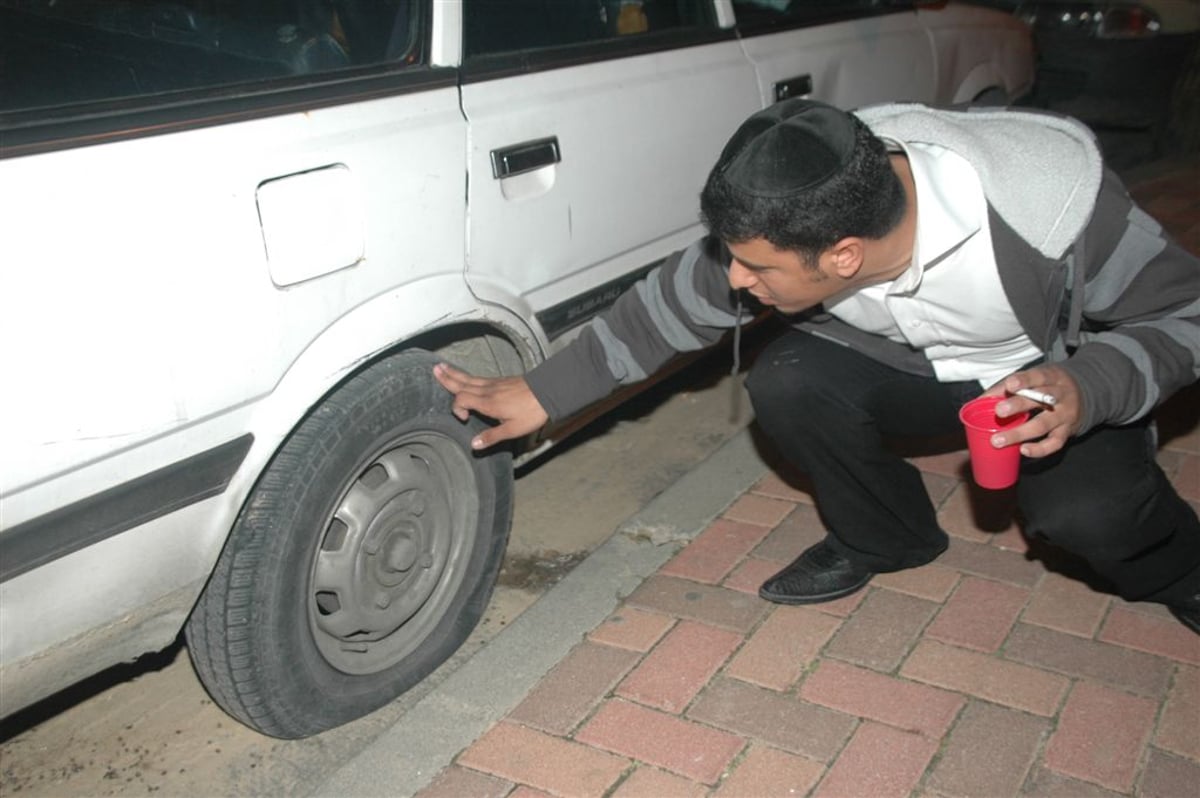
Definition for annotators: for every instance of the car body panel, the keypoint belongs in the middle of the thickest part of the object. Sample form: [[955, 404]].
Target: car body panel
[[607, 196]]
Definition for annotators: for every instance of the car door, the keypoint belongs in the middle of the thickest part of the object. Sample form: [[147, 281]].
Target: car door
[[592, 127], [845, 52]]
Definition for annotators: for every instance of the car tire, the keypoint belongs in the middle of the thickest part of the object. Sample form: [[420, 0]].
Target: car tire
[[363, 558]]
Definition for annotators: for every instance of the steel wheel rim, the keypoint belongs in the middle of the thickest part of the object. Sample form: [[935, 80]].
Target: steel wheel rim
[[393, 552]]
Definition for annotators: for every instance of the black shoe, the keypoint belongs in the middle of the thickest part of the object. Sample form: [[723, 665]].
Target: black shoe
[[1188, 612], [819, 574]]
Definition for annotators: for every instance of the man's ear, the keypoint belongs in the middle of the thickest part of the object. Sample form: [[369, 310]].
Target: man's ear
[[846, 257]]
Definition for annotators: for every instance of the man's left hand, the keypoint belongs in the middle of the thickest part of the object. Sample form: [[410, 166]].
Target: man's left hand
[[1047, 431]]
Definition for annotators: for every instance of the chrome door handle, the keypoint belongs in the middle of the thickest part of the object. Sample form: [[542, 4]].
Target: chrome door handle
[[525, 157], [793, 87]]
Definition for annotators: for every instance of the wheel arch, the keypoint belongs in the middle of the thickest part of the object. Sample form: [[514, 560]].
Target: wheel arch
[[988, 79], [982, 81], [488, 339]]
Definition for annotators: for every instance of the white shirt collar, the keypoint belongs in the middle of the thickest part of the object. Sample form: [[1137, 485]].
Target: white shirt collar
[[950, 208]]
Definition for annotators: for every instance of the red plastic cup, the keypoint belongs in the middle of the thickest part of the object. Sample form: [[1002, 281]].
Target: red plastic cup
[[993, 468]]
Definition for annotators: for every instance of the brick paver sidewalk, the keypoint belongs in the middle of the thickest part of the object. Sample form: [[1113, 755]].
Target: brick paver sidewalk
[[986, 673]]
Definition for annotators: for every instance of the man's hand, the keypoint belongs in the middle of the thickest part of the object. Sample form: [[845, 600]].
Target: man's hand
[[508, 400], [1047, 431]]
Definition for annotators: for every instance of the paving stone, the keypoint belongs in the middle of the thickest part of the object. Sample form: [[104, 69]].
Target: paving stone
[[749, 575], [802, 528], [768, 772], [1169, 461], [649, 782], [843, 607], [559, 766], [991, 563], [1179, 723], [1167, 776], [897, 702], [779, 720], [632, 629], [715, 551], [1046, 783], [1163, 634], [989, 752], [979, 615], [1101, 736], [572, 688], [930, 582], [680, 746], [673, 673], [939, 487], [716, 606], [987, 677], [879, 761], [761, 510], [1010, 539], [975, 515], [455, 782], [525, 791], [1148, 608], [1066, 605], [882, 630], [774, 486], [782, 647], [1124, 668], [953, 465]]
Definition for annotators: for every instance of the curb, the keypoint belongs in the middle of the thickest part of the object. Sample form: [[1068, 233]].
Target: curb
[[407, 757]]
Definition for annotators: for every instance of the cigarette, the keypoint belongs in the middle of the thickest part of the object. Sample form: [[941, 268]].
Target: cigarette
[[1037, 396]]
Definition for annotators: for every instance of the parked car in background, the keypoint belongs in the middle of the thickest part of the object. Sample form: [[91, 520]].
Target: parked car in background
[[1121, 66], [235, 236]]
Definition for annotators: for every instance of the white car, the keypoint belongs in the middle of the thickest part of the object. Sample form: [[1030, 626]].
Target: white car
[[234, 234]]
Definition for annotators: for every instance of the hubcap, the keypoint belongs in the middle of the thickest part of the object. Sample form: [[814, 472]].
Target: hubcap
[[394, 553]]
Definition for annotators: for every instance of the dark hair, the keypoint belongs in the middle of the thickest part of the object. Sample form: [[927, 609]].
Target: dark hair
[[863, 198]]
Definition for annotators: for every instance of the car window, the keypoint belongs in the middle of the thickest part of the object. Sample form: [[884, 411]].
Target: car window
[[57, 53], [493, 27], [787, 12]]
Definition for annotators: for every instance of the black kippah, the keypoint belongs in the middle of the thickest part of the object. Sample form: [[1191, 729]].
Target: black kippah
[[789, 147]]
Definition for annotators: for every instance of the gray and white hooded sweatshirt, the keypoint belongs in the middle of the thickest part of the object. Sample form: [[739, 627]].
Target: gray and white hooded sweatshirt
[[1093, 280]]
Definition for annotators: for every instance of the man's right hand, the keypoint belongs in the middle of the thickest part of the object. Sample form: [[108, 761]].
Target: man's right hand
[[507, 400]]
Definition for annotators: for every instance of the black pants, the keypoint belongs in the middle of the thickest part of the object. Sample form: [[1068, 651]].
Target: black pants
[[829, 410]]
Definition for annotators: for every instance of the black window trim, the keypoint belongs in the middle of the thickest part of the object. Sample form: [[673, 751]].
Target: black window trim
[[481, 68], [765, 27], [35, 131]]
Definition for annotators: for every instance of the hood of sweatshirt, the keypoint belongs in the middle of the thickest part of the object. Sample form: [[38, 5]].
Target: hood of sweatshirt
[[1040, 172]]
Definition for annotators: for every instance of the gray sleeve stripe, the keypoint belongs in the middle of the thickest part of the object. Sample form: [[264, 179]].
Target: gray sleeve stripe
[[1141, 361], [672, 329], [1184, 332], [1138, 245], [1139, 217], [620, 360], [698, 310]]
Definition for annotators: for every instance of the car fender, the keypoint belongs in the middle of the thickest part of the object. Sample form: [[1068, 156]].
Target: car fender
[[143, 614], [382, 324], [982, 78]]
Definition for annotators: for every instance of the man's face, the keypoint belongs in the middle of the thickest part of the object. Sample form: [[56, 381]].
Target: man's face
[[780, 278]]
